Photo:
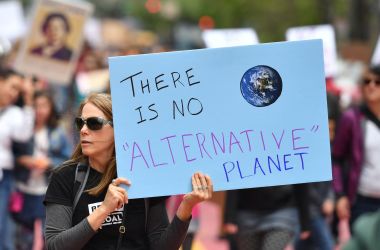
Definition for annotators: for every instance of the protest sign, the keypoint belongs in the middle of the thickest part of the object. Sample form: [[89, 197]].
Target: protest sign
[[248, 116], [216, 38], [92, 81], [324, 32], [12, 20], [376, 53], [53, 44]]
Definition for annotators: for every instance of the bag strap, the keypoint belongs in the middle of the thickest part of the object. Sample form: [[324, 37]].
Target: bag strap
[[122, 226], [370, 116], [121, 229], [146, 202], [81, 176]]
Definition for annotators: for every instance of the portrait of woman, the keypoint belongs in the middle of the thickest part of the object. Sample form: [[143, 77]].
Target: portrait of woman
[[55, 29]]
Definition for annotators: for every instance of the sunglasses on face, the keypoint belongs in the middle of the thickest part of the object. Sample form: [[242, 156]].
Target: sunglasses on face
[[367, 81], [93, 123]]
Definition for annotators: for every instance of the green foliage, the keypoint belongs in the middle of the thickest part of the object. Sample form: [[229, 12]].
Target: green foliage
[[269, 18]]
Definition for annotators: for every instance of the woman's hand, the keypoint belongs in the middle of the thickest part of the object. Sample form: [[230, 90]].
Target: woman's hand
[[202, 191], [343, 208], [116, 196], [42, 163], [328, 207], [115, 199], [230, 228], [305, 235]]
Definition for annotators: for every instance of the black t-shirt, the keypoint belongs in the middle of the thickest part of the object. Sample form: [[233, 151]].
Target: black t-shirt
[[61, 191]]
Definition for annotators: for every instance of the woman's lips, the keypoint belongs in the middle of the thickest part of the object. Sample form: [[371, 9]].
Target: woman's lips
[[85, 142]]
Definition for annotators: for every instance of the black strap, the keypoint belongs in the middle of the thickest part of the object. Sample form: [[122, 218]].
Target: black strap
[[370, 116], [80, 176], [146, 202], [122, 228]]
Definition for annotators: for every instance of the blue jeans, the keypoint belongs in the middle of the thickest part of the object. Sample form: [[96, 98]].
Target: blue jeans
[[6, 223], [320, 238]]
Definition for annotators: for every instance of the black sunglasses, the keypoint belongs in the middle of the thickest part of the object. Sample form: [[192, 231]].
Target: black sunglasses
[[93, 123], [367, 81]]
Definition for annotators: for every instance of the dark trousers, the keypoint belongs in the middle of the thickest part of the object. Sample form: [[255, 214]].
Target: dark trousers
[[363, 205]]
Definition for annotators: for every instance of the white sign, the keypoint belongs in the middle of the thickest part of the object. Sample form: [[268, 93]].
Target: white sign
[[324, 32], [93, 31], [93, 81], [12, 20], [217, 38], [376, 55]]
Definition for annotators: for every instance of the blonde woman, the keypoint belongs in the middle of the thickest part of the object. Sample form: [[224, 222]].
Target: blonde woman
[[104, 218]]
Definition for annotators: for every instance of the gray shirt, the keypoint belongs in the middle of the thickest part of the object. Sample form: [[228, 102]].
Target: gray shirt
[[60, 234]]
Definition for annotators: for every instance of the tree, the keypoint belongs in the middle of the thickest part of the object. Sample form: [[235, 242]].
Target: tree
[[359, 20]]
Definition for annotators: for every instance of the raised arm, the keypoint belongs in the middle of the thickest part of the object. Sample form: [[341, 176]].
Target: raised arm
[[170, 237]]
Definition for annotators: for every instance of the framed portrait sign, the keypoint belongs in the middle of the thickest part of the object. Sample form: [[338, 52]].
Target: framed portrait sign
[[51, 48]]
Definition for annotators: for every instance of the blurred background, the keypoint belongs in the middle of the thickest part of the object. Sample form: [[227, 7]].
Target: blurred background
[[118, 27], [349, 29]]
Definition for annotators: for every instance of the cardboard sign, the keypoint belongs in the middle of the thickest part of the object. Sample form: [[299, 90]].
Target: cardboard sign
[[53, 44], [249, 116], [217, 38], [324, 32]]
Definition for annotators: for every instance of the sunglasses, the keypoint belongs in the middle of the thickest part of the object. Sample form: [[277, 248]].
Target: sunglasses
[[93, 123], [367, 81]]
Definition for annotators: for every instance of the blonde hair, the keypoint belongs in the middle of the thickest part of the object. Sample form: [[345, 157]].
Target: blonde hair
[[102, 102]]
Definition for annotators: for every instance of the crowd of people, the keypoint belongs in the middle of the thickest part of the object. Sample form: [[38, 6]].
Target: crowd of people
[[265, 218], [38, 120]]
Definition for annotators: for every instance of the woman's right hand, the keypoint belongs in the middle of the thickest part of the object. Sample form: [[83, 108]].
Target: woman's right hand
[[116, 196]]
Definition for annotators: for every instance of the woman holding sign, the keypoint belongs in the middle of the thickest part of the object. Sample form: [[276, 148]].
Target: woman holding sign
[[101, 216]]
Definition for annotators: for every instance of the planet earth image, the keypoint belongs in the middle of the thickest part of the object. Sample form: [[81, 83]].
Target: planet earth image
[[261, 86]]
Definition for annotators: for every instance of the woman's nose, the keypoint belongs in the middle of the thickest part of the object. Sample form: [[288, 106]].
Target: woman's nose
[[84, 129]]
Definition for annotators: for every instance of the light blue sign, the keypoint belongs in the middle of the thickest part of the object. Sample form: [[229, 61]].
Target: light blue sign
[[249, 116]]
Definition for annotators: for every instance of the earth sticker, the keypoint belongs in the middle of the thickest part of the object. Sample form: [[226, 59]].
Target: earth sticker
[[261, 86]]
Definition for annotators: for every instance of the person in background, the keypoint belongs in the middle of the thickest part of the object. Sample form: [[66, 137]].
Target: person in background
[[366, 231], [322, 196], [267, 218], [356, 152], [103, 217], [48, 147], [16, 125], [321, 210]]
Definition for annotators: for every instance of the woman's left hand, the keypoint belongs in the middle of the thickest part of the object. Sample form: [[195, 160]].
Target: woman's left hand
[[202, 191]]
